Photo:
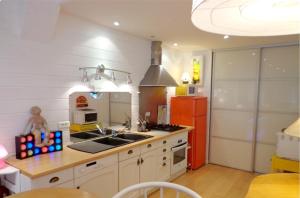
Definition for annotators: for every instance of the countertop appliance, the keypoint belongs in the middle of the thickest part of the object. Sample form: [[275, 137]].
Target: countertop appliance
[[192, 111], [85, 116], [165, 127], [178, 155]]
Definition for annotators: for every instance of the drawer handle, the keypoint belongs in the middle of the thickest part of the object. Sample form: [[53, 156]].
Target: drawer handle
[[149, 145], [130, 152], [91, 164], [138, 162], [142, 160], [164, 158], [78, 187], [53, 180], [179, 141], [164, 142], [164, 164], [164, 150]]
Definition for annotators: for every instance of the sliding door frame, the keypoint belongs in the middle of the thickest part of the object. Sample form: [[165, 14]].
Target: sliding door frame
[[257, 101]]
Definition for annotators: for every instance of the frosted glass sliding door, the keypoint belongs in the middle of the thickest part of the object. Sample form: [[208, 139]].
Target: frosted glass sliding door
[[278, 100], [234, 108], [255, 95]]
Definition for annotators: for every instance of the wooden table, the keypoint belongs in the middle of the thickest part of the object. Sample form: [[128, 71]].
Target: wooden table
[[54, 192]]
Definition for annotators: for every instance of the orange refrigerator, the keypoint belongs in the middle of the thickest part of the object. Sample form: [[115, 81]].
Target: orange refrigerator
[[192, 111]]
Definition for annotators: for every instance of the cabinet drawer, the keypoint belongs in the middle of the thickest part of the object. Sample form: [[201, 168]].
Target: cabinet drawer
[[163, 150], [163, 158], [164, 170], [129, 153], [95, 165], [53, 179], [165, 142], [180, 138], [149, 146]]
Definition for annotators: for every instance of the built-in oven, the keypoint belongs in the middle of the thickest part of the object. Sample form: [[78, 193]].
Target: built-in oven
[[179, 155]]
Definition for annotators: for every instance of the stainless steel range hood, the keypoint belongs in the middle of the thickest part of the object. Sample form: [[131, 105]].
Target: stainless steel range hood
[[156, 75]]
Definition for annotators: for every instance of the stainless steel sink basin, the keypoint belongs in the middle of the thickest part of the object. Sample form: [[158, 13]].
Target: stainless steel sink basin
[[133, 137], [112, 141], [84, 135], [96, 142]]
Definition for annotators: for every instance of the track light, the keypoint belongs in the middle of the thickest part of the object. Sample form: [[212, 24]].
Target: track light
[[113, 77], [129, 80], [99, 74], [99, 71], [85, 76]]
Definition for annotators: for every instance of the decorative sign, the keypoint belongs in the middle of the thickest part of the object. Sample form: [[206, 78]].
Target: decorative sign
[[25, 145], [81, 101], [162, 114], [198, 70]]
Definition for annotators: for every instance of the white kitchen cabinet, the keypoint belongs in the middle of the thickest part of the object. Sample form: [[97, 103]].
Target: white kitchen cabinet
[[129, 174], [102, 183], [147, 166], [99, 177], [59, 179], [149, 162]]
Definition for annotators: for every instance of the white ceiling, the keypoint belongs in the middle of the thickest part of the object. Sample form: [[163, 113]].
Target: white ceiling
[[166, 20]]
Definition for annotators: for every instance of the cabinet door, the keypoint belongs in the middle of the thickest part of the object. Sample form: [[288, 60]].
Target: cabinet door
[[129, 174], [148, 161], [102, 183]]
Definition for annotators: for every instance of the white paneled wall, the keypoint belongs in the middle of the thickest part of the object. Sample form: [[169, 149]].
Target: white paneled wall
[[45, 73]]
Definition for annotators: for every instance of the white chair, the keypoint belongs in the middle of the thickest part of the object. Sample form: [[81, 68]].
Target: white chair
[[161, 185]]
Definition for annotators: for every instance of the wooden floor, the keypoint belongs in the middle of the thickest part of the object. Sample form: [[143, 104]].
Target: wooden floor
[[212, 181]]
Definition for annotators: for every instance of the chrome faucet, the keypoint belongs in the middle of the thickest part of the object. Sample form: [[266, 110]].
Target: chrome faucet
[[127, 123], [100, 130]]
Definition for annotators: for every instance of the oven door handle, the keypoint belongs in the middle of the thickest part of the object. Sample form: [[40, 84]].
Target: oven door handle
[[180, 146]]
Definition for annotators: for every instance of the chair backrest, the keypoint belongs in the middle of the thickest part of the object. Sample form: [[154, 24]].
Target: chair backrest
[[161, 185]]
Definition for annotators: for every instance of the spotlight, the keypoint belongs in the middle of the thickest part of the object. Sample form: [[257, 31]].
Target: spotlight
[[85, 76], [98, 74], [129, 80], [113, 77], [99, 70]]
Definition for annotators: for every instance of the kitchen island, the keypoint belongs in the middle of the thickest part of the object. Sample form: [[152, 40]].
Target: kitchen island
[[107, 171]]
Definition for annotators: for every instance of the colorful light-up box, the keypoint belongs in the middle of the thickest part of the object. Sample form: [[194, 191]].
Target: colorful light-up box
[[25, 145]]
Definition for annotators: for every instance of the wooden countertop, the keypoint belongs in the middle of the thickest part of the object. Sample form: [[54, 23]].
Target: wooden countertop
[[54, 192], [41, 165]]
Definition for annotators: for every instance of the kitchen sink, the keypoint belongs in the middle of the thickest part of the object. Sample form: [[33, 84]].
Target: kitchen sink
[[84, 135], [134, 137], [106, 131], [112, 141], [98, 143]]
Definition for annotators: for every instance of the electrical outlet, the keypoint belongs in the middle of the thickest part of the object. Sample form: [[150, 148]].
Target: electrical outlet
[[147, 114], [63, 124]]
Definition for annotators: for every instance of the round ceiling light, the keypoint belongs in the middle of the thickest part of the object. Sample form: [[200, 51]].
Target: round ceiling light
[[247, 17]]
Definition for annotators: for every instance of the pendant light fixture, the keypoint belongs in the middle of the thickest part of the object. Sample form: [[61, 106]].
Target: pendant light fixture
[[247, 17]]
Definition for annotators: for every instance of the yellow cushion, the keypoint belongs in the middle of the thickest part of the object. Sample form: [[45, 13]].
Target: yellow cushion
[[277, 185]]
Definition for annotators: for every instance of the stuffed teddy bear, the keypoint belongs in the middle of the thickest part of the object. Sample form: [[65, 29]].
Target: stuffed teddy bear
[[37, 125]]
